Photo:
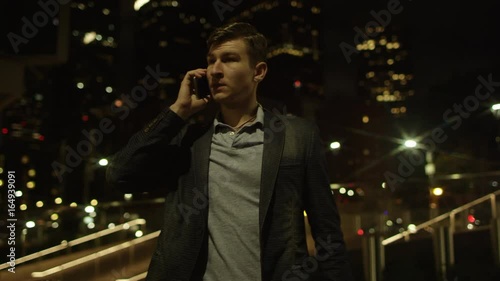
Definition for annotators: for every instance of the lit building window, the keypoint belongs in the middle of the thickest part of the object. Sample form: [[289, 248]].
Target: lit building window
[[31, 172], [30, 184], [89, 37]]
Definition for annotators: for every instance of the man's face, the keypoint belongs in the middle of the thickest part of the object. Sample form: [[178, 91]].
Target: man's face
[[230, 76]]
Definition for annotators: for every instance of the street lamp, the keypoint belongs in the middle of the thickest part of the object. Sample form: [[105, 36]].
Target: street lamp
[[430, 171], [410, 143]]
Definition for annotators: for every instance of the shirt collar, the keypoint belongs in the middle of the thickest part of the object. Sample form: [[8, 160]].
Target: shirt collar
[[258, 120]]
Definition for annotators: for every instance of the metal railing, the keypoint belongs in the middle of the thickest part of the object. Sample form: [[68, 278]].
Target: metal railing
[[451, 214], [66, 245], [137, 277], [443, 244], [95, 256]]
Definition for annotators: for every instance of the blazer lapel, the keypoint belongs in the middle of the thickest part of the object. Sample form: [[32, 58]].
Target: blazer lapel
[[274, 140], [201, 149]]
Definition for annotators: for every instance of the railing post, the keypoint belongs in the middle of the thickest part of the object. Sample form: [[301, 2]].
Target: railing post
[[495, 229], [131, 254], [440, 239], [373, 257], [451, 242]]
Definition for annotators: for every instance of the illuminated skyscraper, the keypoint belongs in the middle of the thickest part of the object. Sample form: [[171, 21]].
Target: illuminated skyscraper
[[385, 69]]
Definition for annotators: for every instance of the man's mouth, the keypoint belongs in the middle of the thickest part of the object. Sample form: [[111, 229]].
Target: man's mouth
[[218, 85]]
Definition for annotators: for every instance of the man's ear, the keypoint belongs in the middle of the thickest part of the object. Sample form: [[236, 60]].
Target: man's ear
[[260, 71]]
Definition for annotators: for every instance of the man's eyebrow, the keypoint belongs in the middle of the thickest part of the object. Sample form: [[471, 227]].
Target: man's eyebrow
[[227, 53]]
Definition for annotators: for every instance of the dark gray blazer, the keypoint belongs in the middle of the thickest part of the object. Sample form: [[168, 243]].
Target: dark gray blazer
[[168, 153]]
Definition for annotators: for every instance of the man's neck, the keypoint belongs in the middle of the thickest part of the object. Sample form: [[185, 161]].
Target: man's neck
[[235, 116]]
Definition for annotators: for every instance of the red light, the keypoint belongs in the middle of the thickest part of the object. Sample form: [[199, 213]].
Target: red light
[[360, 232], [297, 84], [471, 218], [5, 131], [23, 123], [41, 138], [85, 118]]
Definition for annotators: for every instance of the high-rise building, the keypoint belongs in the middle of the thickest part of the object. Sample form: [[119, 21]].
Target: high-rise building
[[385, 68], [68, 84]]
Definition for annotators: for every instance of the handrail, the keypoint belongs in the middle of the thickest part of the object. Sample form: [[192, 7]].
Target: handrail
[[94, 256], [86, 238], [137, 277], [444, 216]]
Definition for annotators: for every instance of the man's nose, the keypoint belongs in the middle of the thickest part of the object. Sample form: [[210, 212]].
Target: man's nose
[[216, 69]]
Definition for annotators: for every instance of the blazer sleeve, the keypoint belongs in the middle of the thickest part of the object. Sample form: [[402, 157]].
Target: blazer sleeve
[[323, 216], [152, 158]]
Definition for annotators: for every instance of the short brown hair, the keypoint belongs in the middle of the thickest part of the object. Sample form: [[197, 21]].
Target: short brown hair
[[255, 41]]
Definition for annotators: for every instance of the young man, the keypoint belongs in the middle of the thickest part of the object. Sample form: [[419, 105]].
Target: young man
[[238, 188]]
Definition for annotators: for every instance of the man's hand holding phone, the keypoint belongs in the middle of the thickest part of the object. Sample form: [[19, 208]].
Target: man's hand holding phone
[[192, 98]]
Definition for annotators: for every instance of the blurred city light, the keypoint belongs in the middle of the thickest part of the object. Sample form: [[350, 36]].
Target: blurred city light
[[412, 228], [58, 200], [139, 3], [30, 224], [471, 218], [335, 145], [410, 143], [139, 233], [103, 162], [437, 191], [495, 109], [93, 202], [89, 209]]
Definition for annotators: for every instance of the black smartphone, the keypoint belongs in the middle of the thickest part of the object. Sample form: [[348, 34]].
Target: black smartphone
[[200, 87]]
